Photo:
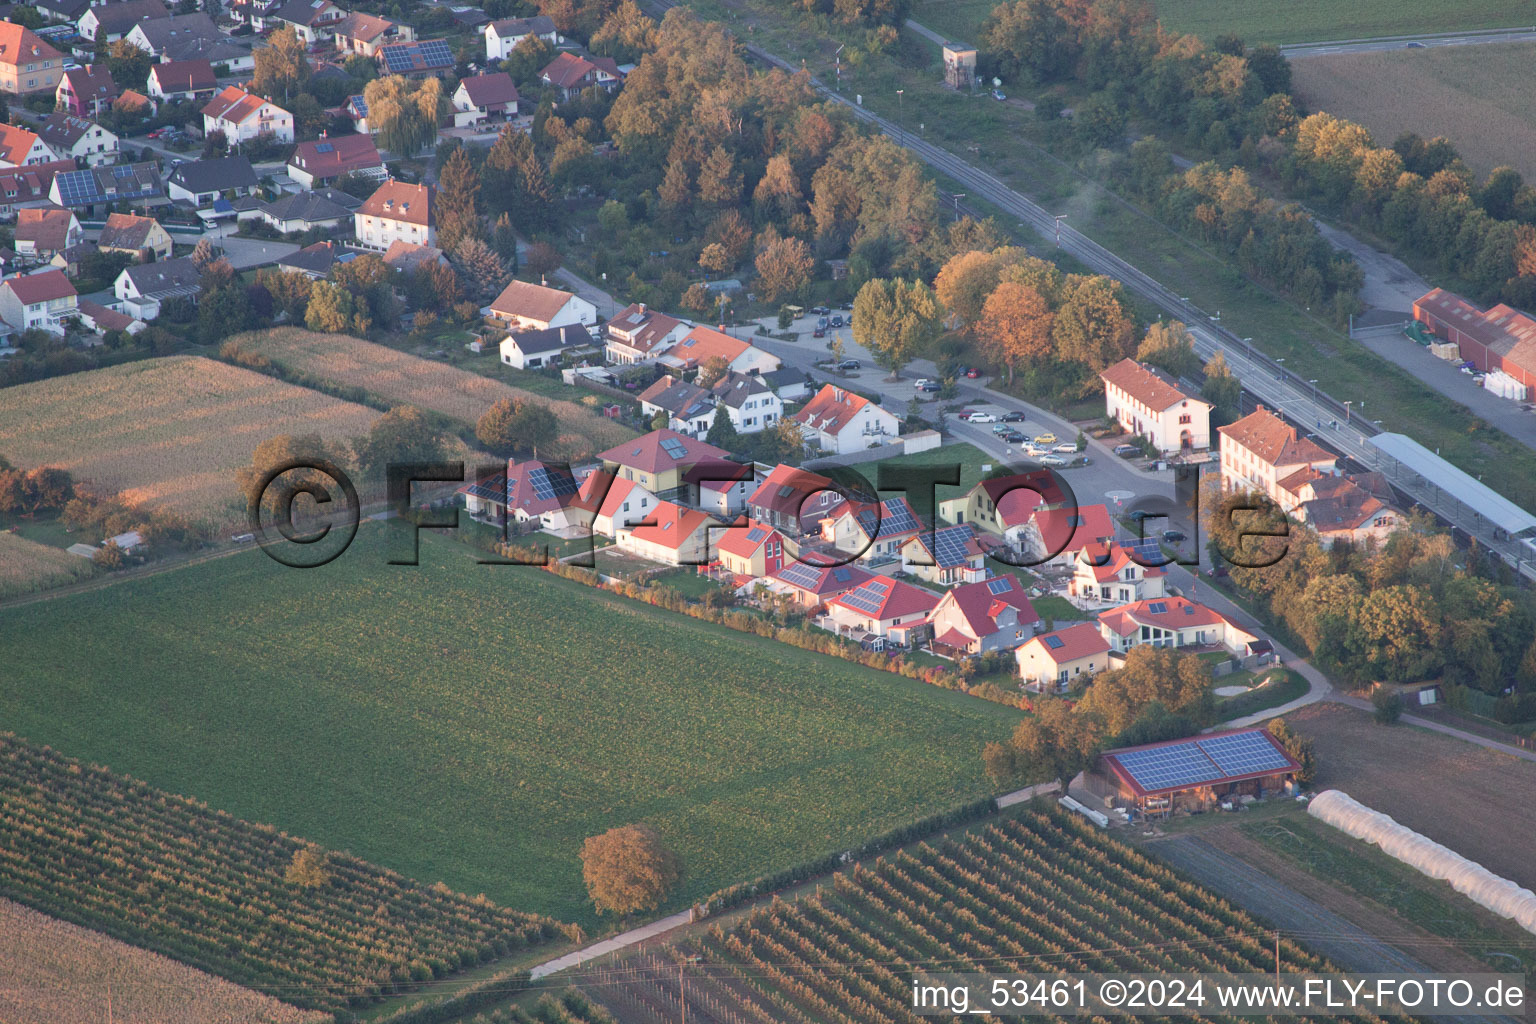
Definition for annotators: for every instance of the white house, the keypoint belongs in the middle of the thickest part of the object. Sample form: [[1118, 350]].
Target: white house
[[615, 503], [690, 409], [44, 300], [397, 212], [78, 139], [946, 556], [639, 335], [142, 287], [1052, 660], [842, 422], [1106, 575], [242, 116], [882, 607], [672, 535], [1148, 404], [534, 307], [21, 148], [528, 492], [702, 344], [532, 350], [501, 37], [484, 99], [750, 403], [1353, 508], [1171, 622], [1263, 453], [872, 533], [44, 230], [987, 615]]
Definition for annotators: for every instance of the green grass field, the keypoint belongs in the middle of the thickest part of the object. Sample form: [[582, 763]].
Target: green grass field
[[474, 723], [1257, 21]]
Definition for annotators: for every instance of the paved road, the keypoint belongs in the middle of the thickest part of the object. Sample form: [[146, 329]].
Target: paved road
[[612, 945], [1485, 742], [1496, 35]]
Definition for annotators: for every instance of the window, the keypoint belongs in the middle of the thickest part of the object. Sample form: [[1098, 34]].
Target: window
[[1184, 417]]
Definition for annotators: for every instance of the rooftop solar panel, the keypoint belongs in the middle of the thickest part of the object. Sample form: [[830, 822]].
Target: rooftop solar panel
[[756, 534], [842, 575], [1157, 607], [674, 448], [801, 575], [1055, 643], [1146, 551], [1179, 764], [1243, 753], [547, 484], [864, 599], [950, 544], [1001, 585]]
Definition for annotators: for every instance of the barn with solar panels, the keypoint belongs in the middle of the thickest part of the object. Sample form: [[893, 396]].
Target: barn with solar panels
[[1193, 774]]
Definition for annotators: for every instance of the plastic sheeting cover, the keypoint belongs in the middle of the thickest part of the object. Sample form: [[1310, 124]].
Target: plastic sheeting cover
[[1480, 885]]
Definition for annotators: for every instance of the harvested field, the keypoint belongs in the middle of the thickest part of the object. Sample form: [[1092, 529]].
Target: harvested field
[[27, 566], [1465, 796], [1476, 96], [397, 377], [58, 973], [165, 433]]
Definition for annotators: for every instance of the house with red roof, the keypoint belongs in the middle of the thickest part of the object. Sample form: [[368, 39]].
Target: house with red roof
[[21, 187], [320, 162], [840, 422], [1150, 404], [946, 556], [637, 334], [20, 148], [42, 231], [1063, 534], [1261, 452], [701, 344], [397, 211], [722, 488], [671, 535], [661, 460], [189, 80], [87, 91], [614, 503], [792, 499], [570, 73], [988, 615], [883, 608], [363, 34], [811, 581], [1106, 574], [873, 532], [751, 549], [1171, 622], [1005, 505], [1352, 508], [242, 116], [1051, 661], [27, 64], [44, 300], [528, 492], [484, 99], [523, 306]]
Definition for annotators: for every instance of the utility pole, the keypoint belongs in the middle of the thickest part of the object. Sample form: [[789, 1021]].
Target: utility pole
[[901, 115], [1059, 218]]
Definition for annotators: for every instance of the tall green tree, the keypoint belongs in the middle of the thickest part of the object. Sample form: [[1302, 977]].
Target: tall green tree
[[282, 66], [458, 202], [404, 434], [896, 320]]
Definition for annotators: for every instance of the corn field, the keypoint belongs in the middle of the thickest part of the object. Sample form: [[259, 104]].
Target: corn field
[[166, 873], [1041, 893], [165, 433], [27, 566], [400, 378], [60, 973]]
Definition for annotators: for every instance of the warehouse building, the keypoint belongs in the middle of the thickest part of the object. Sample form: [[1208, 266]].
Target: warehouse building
[[1501, 338], [1193, 774]]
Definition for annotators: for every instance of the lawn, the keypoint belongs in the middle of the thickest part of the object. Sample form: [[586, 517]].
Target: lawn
[[1476, 96], [475, 723]]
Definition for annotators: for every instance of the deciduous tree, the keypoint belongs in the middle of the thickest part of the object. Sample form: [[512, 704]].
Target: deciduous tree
[[282, 66], [897, 320], [1016, 326], [628, 869], [783, 268], [404, 434]]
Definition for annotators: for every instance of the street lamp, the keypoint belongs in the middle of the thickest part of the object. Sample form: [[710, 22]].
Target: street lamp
[[957, 197], [1059, 218], [1249, 342], [1346, 409], [900, 115], [1313, 382]]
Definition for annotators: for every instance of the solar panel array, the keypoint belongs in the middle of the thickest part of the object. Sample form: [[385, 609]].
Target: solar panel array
[[867, 598], [1203, 760], [547, 484], [674, 448], [418, 56], [950, 546], [1001, 585], [1146, 551], [1055, 643], [801, 575], [756, 534], [490, 489], [895, 518]]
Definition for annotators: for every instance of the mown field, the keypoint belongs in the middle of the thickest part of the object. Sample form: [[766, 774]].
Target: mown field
[[58, 973], [27, 566], [400, 378], [167, 433], [1302, 21], [475, 723], [1476, 96]]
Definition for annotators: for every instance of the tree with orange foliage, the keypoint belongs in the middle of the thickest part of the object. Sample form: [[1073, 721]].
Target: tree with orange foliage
[[1016, 325], [628, 869]]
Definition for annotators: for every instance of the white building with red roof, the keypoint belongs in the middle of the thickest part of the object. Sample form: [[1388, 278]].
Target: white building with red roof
[[44, 300], [661, 460], [529, 491], [397, 212], [363, 34], [503, 35], [722, 489], [882, 607], [242, 116], [812, 583], [484, 99], [671, 535], [614, 503], [1106, 574], [188, 80], [45, 230], [987, 615], [570, 73], [86, 91], [1051, 661], [637, 334], [750, 549], [522, 306], [701, 344], [320, 162], [1261, 452], [841, 422], [1171, 622], [1149, 404], [793, 499], [872, 532], [946, 556], [21, 148], [1064, 533]]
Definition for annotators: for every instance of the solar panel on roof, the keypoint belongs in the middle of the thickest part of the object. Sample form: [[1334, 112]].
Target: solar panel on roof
[[867, 598], [1146, 551], [896, 517], [1243, 753], [1001, 585], [950, 546], [1054, 643], [1178, 764], [674, 448], [878, 587], [842, 575], [756, 534], [800, 574], [1157, 607], [547, 485], [325, 147]]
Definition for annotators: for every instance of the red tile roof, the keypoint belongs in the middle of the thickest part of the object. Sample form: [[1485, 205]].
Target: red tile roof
[[233, 104], [1165, 612], [644, 327], [92, 82], [831, 409], [702, 344], [786, 488], [46, 227], [890, 599], [1505, 331], [1108, 561], [745, 537], [1272, 440], [670, 525], [1145, 385], [648, 454], [817, 580], [400, 201], [1079, 640], [15, 144], [20, 46], [980, 604], [50, 284], [490, 90], [32, 182], [332, 157], [1018, 496], [532, 301], [567, 70], [1072, 529], [184, 76]]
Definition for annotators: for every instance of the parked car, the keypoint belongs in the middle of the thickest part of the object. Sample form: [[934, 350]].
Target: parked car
[[848, 365], [1140, 514], [820, 310], [1001, 429], [1070, 448], [973, 373], [1126, 451], [818, 333], [928, 387], [983, 417], [1013, 417], [964, 414], [822, 323], [1045, 439], [1082, 460], [999, 95], [1014, 437], [1054, 461], [837, 320], [1174, 536]]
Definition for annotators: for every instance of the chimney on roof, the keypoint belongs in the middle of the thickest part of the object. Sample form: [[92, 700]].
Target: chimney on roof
[[837, 394], [641, 305]]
